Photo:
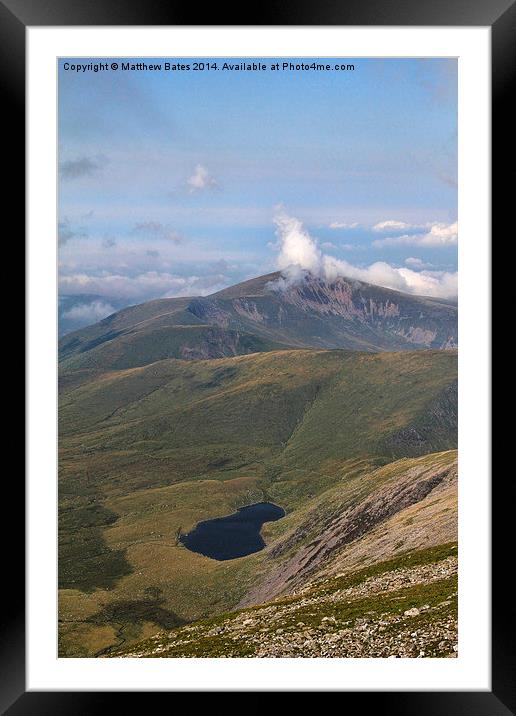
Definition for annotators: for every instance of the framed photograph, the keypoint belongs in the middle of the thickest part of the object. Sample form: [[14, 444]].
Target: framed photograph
[[259, 347]]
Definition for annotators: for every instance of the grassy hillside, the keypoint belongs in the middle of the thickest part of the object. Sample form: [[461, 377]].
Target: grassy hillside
[[146, 452], [285, 411], [150, 344]]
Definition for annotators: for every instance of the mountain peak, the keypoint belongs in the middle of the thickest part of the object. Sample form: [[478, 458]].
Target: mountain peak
[[252, 287], [265, 313]]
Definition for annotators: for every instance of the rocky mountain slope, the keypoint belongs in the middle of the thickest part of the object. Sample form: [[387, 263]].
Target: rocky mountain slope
[[264, 314], [402, 608], [398, 506]]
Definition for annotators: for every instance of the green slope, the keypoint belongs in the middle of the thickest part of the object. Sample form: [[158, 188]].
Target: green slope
[[147, 451], [284, 410], [150, 344]]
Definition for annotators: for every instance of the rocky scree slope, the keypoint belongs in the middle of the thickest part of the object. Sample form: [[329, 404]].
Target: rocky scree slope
[[406, 504], [403, 608]]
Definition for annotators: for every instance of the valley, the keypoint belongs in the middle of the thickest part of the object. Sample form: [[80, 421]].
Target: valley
[[358, 447]]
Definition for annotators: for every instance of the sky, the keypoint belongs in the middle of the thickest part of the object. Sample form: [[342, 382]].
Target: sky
[[176, 183]]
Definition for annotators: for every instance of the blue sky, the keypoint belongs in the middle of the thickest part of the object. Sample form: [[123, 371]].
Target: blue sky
[[177, 183]]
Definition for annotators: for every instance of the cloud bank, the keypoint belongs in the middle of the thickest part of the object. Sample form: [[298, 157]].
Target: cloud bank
[[343, 225], [140, 287], [439, 235], [300, 253]]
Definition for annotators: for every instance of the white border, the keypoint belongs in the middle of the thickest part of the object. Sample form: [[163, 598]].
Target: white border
[[471, 670]]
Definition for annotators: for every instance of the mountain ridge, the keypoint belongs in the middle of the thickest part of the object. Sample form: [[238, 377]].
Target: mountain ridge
[[261, 314]]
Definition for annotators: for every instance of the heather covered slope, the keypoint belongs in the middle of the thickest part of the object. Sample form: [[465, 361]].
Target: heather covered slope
[[264, 314], [148, 452]]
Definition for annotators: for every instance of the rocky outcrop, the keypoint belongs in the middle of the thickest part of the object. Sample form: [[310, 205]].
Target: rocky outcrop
[[339, 298], [399, 493], [209, 312], [340, 314]]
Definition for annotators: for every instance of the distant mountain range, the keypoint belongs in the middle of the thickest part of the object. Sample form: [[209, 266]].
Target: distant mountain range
[[262, 314], [78, 311]]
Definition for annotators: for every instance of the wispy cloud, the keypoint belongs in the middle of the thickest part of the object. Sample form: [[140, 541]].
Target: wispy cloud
[[412, 261], [65, 232], [343, 225], [81, 167], [140, 287], [391, 225], [157, 230], [353, 247], [108, 242]]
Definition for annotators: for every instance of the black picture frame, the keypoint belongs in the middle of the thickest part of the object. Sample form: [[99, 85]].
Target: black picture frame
[[500, 15]]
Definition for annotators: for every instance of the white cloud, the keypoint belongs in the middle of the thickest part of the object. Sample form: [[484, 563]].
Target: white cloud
[[299, 253], [297, 248], [438, 284], [343, 225], [328, 245], [89, 312], [200, 179], [439, 235], [391, 225], [418, 264]]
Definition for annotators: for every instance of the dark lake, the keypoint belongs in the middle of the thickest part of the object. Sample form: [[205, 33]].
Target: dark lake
[[234, 535]]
